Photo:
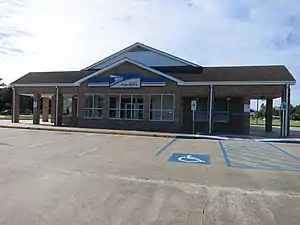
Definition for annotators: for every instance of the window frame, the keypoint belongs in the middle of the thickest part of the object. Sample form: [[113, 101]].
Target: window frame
[[161, 108], [93, 106], [119, 108], [224, 112]]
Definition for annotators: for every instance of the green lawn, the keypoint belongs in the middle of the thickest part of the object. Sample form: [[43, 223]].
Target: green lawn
[[22, 117], [293, 123]]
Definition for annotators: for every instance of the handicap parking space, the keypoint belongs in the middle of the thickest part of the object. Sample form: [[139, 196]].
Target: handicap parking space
[[250, 154], [289, 147], [205, 150]]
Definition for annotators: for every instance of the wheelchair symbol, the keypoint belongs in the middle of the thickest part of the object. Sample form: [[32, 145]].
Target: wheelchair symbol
[[190, 159]]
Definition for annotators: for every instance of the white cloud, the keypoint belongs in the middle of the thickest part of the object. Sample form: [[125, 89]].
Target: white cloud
[[71, 34]]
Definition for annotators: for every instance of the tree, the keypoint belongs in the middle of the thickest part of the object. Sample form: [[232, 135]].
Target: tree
[[2, 84], [262, 111]]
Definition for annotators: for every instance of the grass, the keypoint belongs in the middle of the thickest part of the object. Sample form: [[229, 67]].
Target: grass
[[293, 123], [22, 117]]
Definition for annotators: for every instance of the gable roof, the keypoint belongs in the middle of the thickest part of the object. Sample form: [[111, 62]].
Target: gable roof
[[47, 78], [132, 62], [138, 46], [179, 69], [277, 73], [183, 75]]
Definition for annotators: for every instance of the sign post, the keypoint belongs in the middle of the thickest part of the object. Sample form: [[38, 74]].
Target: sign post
[[283, 120], [193, 108]]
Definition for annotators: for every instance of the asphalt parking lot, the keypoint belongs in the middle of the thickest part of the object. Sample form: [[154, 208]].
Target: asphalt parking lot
[[75, 178]]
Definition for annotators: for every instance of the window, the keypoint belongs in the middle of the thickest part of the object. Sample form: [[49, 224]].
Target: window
[[127, 107], [201, 114], [67, 105], [162, 107], [93, 106], [220, 112]]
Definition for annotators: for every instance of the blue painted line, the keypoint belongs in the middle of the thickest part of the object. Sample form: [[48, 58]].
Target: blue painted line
[[259, 149], [250, 153], [225, 154], [165, 147], [266, 159], [240, 165], [285, 152], [263, 168], [263, 154], [254, 162]]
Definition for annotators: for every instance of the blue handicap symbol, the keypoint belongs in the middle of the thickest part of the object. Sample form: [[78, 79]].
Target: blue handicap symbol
[[190, 158]]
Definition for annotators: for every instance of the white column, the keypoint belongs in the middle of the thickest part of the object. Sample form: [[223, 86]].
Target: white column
[[210, 108], [286, 124]]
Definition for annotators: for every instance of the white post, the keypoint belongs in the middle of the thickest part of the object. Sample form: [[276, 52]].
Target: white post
[[210, 109], [56, 107], [193, 121], [286, 111]]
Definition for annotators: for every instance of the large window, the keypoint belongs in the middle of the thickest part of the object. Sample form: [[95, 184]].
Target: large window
[[93, 106], [127, 107], [67, 105], [162, 107], [201, 114], [220, 110]]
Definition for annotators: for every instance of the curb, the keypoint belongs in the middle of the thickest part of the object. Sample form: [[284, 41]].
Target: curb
[[89, 131], [284, 141], [132, 133]]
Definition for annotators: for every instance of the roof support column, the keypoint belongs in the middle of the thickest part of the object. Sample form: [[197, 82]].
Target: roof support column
[[15, 106], [36, 108], [45, 109], [285, 113], [269, 114], [288, 109], [53, 109], [58, 107], [211, 100]]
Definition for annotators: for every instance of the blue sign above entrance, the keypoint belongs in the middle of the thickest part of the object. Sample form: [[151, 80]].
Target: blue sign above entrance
[[126, 81], [190, 158]]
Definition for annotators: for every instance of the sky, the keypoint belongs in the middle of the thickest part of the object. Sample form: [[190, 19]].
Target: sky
[[41, 35]]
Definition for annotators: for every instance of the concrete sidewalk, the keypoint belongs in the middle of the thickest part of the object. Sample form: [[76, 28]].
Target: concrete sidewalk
[[49, 127], [27, 124]]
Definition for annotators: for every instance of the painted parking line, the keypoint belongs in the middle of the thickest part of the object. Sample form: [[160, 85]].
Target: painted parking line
[[258, 155], [165, 147], [88, 151], [41, 144]]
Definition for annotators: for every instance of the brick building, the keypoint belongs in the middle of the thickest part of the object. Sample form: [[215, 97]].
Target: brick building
[[143, 88]]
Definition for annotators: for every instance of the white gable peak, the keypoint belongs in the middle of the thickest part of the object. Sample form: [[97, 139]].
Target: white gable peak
[[143, 54]]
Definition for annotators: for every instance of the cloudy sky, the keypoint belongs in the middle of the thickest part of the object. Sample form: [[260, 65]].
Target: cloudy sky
[[42, 35]]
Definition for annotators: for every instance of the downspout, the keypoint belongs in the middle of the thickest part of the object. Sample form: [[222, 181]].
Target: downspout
[[210, 109], [56, 106]]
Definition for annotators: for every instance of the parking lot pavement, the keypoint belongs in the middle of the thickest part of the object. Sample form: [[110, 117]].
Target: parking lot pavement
[[291, 148], [76, 178]]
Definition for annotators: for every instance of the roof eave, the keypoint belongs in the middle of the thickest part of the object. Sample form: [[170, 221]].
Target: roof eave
[[45, 85], [132, 62], [237, 83]]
